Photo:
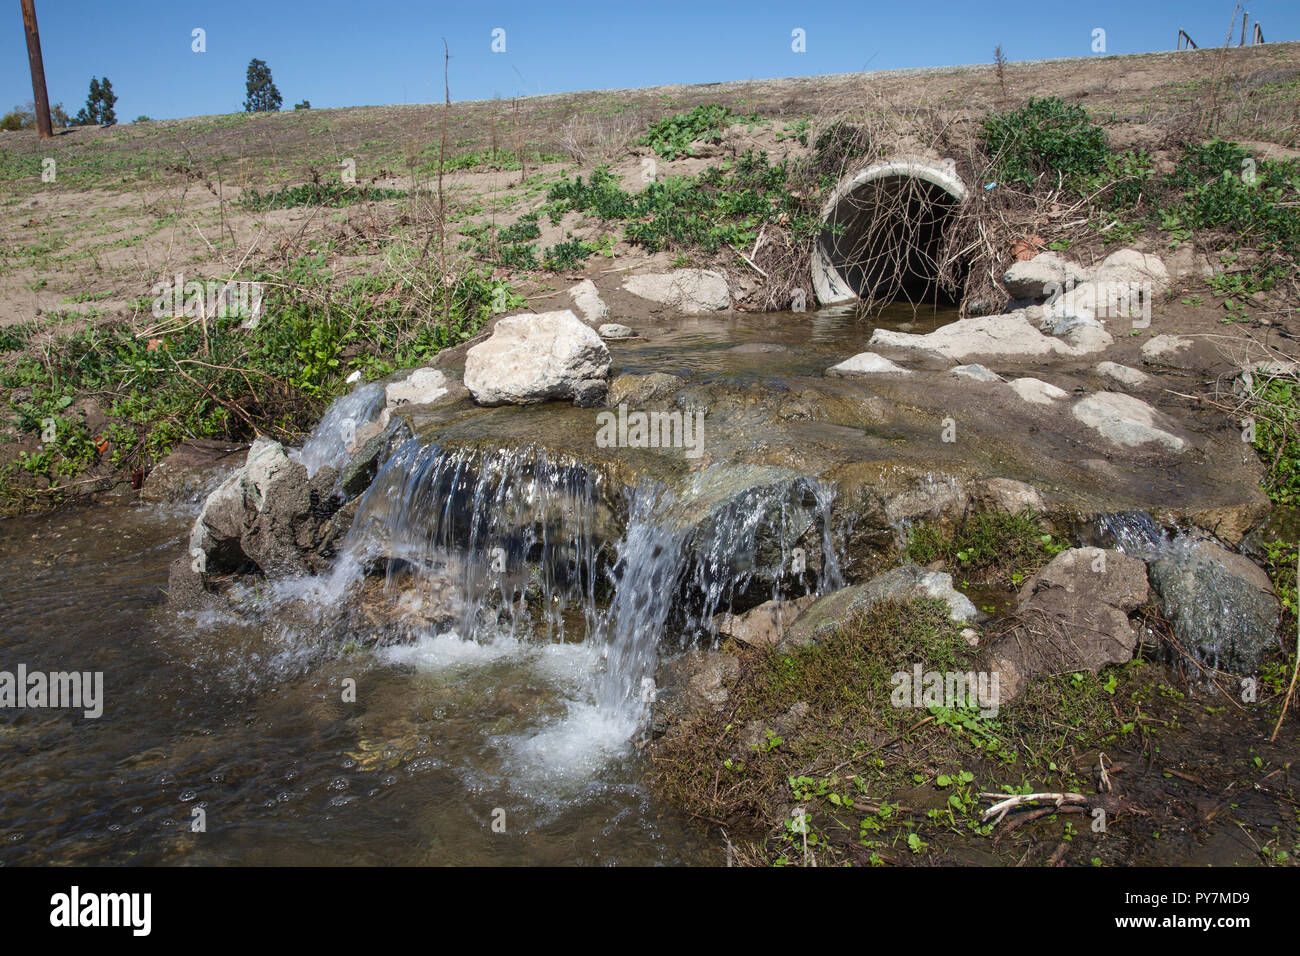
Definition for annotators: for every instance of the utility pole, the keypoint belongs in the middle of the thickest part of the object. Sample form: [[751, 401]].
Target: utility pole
[[39, 96]]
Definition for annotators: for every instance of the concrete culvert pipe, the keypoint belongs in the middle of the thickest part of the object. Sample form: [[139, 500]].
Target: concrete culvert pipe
[[884, 233]]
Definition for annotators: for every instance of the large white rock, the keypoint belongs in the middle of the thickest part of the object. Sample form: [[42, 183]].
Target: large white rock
[[866, 363], [587, 300], [1041, 276], [1008, 336], [536, 358], [1036, 391], [1129, 266], [1127, 421], [687, 290]]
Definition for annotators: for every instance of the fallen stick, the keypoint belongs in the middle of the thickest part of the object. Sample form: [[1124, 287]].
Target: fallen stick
[[748, 261], [1009, 801]]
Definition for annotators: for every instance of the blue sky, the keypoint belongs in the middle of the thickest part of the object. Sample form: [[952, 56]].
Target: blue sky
[[365, 52]]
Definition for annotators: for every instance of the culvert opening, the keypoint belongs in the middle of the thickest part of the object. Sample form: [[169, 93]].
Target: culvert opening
[[886, 237]]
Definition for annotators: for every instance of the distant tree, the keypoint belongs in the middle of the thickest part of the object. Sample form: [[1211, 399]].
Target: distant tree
[[262, 97], [24, 117], [143, 119], [90, 112], [304, 105], [106, 100], [99, 105]]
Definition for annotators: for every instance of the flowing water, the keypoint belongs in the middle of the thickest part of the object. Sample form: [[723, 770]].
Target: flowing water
[[245, 720], [500, 615], [483, 650]]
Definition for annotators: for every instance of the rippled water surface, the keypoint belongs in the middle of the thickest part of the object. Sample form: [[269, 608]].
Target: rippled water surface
[[248, 723]]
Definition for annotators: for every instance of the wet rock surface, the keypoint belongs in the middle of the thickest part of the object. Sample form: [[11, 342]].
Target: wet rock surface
[[1222, 605], [690, 683], [191, 471]]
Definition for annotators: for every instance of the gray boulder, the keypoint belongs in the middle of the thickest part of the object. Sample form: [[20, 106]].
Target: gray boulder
[[686, 290], [690, 684], [764, 625], [586, 299], [423, 386], [866, 363], [1222, 606], [1038, 277], [906, 583], [1036, 391], [613, 331], [1127, 421], [1123, 374], [1128, 267], [1009, 336], [977, 372], [1074, 309], [268, 513], [1009, 495], [1071, 616]]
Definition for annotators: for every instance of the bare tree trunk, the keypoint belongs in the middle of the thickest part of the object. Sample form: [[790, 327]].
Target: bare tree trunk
[[42, 100]]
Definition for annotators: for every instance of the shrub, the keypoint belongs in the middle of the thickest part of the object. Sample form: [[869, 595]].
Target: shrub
[[672, 137], [316, 194], [1047, 135]]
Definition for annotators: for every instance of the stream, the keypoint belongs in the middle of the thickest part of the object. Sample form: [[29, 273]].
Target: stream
[[246, 722], [529, 722]]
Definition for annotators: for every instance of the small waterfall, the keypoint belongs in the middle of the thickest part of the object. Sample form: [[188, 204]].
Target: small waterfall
[[646, 578], [504, 527], [523, 545], [329, 441], [1135, 533], [747, 548]]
